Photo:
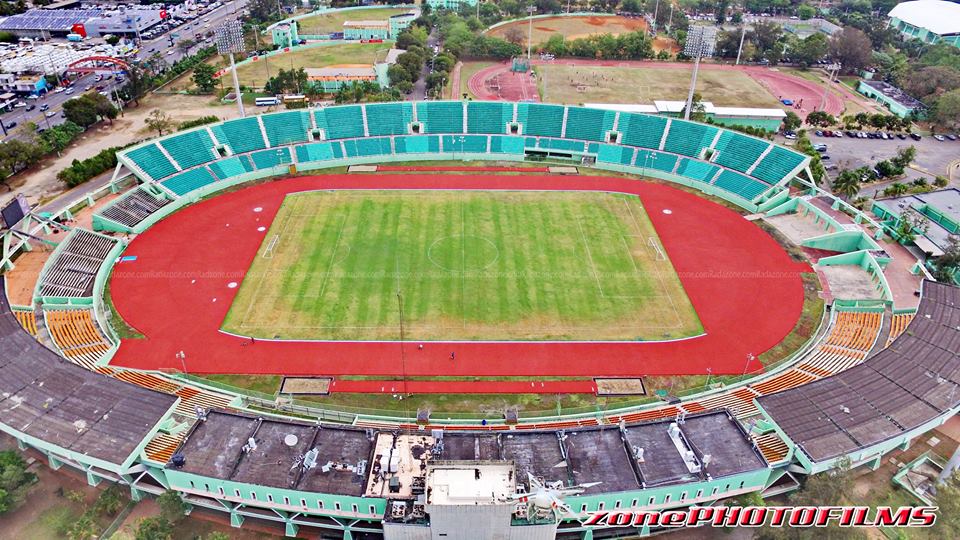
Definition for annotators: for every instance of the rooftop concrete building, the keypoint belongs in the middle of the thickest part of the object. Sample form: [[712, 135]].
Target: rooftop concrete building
[[931, 21]]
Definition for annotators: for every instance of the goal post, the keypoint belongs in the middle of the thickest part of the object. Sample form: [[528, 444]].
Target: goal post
[[268, 251], [658, 252]]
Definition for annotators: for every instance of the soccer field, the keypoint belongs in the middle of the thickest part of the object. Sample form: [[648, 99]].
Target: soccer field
[[468, 265]]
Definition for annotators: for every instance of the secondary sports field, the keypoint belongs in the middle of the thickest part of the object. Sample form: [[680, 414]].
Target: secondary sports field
[[468, 265], [565, 83], [255, 74], [333, 22], [569, 27]]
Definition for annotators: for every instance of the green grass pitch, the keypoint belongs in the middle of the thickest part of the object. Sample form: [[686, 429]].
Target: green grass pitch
[[468, 265]]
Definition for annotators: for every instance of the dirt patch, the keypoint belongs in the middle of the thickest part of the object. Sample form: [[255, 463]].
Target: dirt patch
[[595, 21], [545, 29], [573, 27]]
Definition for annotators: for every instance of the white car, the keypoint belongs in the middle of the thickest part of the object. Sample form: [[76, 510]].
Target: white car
[[69, 90], [50, 114], [169, 52]]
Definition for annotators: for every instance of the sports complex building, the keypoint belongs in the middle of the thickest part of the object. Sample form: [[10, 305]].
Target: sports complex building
[[199, 222]]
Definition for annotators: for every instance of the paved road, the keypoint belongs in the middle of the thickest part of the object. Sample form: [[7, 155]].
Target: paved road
[[194, 29], [419, 92]]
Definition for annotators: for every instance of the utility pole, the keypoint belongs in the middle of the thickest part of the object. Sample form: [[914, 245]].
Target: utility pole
[[656, 8], [743, 34], [530, 11]]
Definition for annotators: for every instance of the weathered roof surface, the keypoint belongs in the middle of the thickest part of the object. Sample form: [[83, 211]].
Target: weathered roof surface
[[47, 397]]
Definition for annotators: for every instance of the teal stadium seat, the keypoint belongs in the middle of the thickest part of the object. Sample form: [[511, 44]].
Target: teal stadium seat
[[506, 145], [776, 165], [489, 117], [287, 127], [738, 151], [545, 143], [471, 143], [389, 118], [314, 152], [230, 167], [416, 144], [741, 185], [190, 149], [367, 147], [152, 161], [642, 130], [188, 181], [241, 135], [688, 138], [588, 124], [697, 170], [653, 159], [441, 116], [539, 119], [344, 122], [270, 158], [620, 155]]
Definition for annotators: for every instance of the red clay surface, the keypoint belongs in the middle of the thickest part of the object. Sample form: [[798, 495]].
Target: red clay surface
[[517, 87], [745, 288]]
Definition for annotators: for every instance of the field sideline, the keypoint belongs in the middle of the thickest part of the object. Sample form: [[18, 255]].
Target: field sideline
[[496, 265]]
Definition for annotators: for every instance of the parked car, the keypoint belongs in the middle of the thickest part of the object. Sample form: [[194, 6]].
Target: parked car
[[915, 136], [11, 125], [951, 136], [30, 107], [69, 91], [790, 135], [824, 157], [901, 136], [818, 133], [940, 138]]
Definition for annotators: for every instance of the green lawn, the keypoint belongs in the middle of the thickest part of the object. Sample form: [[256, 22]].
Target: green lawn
[[333, 22], [468, 264]]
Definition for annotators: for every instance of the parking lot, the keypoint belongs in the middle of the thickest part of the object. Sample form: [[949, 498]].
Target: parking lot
[[933, 157]]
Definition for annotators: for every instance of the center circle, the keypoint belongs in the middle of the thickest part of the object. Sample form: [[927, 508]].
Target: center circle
[[461, 253]]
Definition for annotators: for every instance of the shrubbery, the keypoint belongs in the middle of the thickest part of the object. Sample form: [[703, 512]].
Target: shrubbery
[[80, 171]]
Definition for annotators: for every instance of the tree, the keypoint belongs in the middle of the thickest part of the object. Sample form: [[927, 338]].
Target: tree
[[792, 122], [852, 48], [14, 478], [84, 528], [768, 37], [203, 78], [159, 121], [910, 224], [112, 39], [810, 49], [821, 118], [515, 35], [895, 189], [946, 110], [110, 501], [904, 157], [172, 507], [847, 184], [697, 110], [806, 12], [945, 268], [81, 111], [154, 528]]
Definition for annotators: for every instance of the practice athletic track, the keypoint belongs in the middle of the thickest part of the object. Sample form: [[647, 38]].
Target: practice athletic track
[[745, 288]]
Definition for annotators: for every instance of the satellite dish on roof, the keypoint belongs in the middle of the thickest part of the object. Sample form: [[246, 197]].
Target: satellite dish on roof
[[290, 440]]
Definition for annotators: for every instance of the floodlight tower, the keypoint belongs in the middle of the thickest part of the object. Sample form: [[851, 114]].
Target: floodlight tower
[[530, 11], [229, 39], [701, 41]]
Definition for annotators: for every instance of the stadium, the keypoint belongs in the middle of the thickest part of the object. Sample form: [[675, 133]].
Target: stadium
[[393, 251]]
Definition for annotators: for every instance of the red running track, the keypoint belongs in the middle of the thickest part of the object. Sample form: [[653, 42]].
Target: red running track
[[424, 168], [745, 288]]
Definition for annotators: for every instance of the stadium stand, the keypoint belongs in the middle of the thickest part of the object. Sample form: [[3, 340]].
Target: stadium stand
[[231, 167], [739, 184], [389, 118], [588, 124], [152, 161], [688, 138], [697, 170], [314, 152], [895, 391], [70, 407], [344, 122], [488, 117], [241, 135], [270, 158], [440, 116], [738, 152], [190, 148], [135, 206], [28, 320], [76, 335], [287, 127], [540, 119], [187, 181], [506, 145], [71, 272], [644, 131], [367, 147], [776, 165]]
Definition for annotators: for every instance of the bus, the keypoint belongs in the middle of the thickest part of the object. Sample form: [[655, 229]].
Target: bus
[[267, 101]]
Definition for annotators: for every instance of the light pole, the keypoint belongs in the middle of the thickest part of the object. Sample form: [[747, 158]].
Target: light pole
[[530, 11], [743, 34], [700, 43], [229, 39], [656, 7]]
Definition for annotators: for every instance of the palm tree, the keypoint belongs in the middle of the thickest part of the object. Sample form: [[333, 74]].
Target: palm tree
[[847, 185]]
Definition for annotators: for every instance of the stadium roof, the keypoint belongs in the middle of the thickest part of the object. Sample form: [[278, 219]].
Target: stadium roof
[[937, 16]]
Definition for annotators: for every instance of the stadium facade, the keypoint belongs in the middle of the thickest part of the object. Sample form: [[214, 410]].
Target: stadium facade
[[930, 21], [355, 476]]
